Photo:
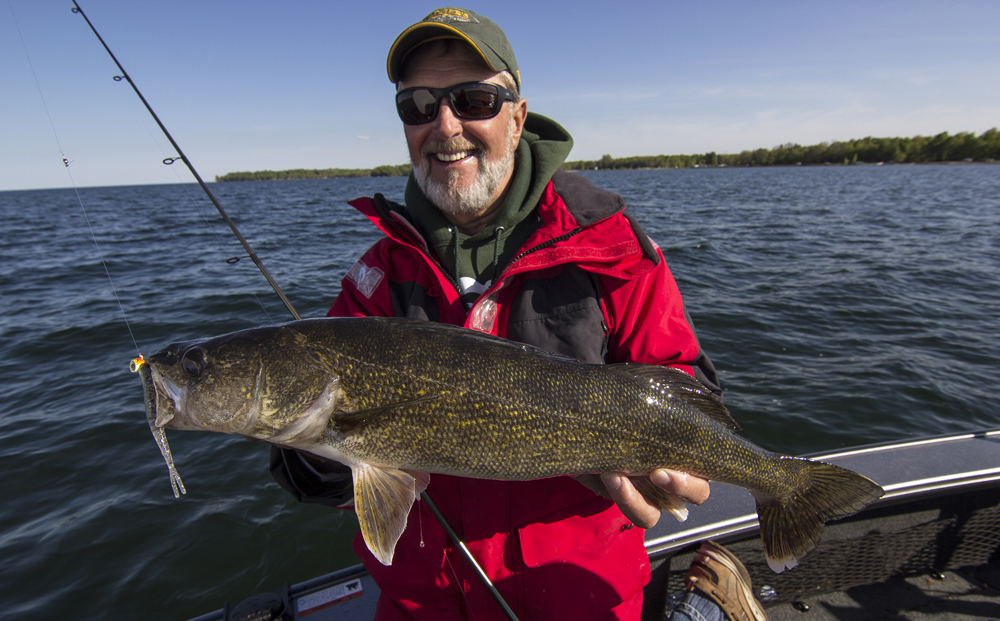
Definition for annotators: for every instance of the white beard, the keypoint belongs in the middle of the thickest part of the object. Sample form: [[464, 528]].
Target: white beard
[[448, 196]]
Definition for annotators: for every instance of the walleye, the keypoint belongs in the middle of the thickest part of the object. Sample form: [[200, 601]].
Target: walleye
[[396, 399]]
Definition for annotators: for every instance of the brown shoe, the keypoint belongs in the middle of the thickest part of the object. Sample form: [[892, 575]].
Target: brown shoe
[[720, 576]]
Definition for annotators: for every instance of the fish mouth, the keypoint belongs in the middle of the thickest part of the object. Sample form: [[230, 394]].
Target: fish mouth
[[168, 390]]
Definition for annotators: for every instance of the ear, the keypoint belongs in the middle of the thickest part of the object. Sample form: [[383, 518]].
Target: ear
[[519, 110]]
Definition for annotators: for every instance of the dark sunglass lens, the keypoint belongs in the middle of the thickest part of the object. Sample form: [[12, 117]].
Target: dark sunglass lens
[[416, 106], [425, 101], [407, 111], [475, 102]]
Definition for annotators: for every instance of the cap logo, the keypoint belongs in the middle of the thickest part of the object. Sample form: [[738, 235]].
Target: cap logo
[[451, 15]]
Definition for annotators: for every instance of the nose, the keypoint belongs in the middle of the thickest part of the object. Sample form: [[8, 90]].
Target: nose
[[447, 123]]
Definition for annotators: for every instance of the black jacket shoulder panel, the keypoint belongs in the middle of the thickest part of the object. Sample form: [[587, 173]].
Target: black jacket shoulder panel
[[584, 200], [647, 244], [589, 204]]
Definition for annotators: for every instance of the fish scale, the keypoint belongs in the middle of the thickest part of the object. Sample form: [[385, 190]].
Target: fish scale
[[524, 417]]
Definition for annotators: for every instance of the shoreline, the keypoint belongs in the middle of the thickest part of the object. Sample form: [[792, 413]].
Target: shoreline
[[223, 179], [797, 165]]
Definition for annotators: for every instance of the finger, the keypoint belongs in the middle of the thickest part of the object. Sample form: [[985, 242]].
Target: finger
[[632, 504], [693, 489]]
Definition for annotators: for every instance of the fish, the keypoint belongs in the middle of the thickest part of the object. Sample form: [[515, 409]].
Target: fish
[[398, 400]]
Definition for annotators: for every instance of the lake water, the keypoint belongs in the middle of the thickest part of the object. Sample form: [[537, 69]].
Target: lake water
[[842, 306]]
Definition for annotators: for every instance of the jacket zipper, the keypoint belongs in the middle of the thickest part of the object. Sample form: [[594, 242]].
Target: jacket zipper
[[541, 246]]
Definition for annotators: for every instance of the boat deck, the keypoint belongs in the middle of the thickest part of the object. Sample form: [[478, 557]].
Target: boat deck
[[965, 595], [930, 549]]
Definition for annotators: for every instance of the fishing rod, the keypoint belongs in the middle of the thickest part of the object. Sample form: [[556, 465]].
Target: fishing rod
[[466, 554], [180, 156]]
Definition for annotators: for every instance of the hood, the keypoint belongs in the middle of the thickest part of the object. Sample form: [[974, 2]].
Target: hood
[[543, 148]]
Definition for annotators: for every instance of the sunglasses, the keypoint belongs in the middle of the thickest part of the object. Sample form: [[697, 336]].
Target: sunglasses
[[470, 100]]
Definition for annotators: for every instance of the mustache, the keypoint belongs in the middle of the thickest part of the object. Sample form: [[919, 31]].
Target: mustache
[[452, 145]]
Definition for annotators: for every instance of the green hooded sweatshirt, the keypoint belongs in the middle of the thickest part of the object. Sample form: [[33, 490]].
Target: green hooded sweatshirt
[[475, 261]]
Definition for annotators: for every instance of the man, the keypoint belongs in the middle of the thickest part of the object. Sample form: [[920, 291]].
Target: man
[[495, 237]]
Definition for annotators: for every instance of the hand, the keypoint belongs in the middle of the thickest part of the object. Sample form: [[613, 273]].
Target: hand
[[617, 487]]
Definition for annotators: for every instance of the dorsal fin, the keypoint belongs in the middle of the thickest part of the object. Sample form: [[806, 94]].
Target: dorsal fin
[[673, 382]]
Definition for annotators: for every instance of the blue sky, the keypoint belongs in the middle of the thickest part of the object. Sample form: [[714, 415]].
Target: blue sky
[[253, 85]]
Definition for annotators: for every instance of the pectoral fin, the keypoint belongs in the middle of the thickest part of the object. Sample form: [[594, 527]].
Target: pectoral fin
[[350, 422], [382, 500]]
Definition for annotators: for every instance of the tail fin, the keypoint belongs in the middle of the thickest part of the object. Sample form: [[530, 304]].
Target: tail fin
[[791, 526]]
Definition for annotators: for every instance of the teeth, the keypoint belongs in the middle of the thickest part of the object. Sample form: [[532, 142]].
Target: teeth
[[453, 157]]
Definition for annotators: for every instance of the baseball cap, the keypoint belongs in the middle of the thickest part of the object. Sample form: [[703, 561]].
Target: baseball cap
[[455, 23]]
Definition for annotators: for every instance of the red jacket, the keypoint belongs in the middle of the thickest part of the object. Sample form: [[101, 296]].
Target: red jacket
[[588, 284]]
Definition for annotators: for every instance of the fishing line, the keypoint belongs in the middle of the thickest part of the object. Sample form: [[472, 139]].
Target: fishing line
[[103, 262], [66, 162], [180, 156], [17, 26], [186, 188]]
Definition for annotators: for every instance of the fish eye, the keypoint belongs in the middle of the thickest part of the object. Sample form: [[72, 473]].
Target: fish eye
[[194, 360]]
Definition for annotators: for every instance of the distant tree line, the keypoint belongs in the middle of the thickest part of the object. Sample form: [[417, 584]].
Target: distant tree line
[[964, 146], [317, 173]]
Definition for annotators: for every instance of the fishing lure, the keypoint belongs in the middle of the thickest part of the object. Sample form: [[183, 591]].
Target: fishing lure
[[140, 366]]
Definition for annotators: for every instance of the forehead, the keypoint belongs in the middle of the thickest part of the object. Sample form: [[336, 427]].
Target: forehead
[[443, 63]]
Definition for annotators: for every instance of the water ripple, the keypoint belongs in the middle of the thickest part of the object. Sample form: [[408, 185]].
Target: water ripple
[[842, 305]]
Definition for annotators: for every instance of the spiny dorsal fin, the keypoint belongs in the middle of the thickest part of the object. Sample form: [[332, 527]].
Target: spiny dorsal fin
[[382, 500], [676, 383]]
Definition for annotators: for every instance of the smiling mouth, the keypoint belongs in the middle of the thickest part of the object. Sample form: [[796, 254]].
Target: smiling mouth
[[453, 157]]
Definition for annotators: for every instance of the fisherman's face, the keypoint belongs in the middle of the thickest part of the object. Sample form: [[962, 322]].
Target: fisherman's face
[[462, 166]]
